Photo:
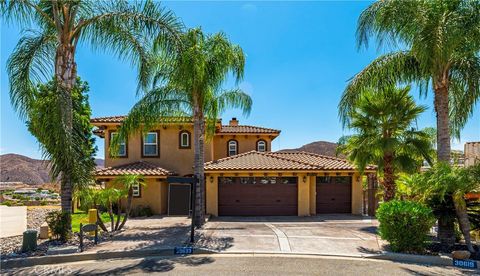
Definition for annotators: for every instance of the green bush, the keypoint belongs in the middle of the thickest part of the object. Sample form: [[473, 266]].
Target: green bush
[[405, 225], [58, 224]]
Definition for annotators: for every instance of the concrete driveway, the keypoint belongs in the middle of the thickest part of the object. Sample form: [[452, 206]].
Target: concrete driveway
[[326, 234]]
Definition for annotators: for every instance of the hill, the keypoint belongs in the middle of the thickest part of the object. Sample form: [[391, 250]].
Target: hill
[[319, 147], [19, 168]]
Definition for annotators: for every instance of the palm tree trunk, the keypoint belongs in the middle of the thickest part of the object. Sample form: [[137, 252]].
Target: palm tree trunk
[[388, 177], [65, 75], [446, 232], [119, 212], [199, 160], [463, 221], [129, 208]]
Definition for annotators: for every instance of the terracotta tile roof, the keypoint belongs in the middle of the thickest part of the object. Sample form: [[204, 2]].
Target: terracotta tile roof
[[227, 129], [254, 160], [324, 161], [143, 168], [119, 119]]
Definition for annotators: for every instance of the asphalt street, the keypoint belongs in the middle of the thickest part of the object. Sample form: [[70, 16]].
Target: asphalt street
[[231, 264]]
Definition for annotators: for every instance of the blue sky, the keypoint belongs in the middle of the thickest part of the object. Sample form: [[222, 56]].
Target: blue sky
[[299, 58]]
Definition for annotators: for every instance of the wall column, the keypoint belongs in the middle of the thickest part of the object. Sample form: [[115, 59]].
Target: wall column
[[357, 194], [303, 195], [313, 195], [212, 194]]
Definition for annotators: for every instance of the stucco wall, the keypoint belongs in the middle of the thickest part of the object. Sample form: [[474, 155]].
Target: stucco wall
[[171, 156], [153, 194], [246, 143]]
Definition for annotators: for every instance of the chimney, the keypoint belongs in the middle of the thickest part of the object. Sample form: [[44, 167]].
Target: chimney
[[233, 122]]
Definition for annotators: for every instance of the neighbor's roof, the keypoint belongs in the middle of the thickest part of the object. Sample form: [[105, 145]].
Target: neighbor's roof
[[142, 168], [290, 161]]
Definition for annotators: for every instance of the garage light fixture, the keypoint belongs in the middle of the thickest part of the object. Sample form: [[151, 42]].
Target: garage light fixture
[[304, 179]]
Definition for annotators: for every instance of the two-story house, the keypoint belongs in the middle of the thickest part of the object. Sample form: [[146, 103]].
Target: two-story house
[[243, 177]]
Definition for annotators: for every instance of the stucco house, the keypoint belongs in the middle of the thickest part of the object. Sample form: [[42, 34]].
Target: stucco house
[[243, 177]]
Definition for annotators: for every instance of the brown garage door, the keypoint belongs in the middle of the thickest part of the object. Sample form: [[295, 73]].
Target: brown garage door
[[257, 196], [334, 195]]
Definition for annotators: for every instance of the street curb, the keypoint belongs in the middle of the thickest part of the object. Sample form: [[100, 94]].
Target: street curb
[[419, 259], [78, 257]]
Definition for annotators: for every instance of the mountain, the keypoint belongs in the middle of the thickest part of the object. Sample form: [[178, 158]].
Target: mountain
[[319, 147], [19, 168]]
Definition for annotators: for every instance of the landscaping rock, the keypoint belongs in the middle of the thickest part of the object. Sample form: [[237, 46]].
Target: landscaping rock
[[44, 231], [461, 254]]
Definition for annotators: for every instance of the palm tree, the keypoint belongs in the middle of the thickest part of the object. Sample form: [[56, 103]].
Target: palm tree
[[444, 180], [383, 122], [189, 83], [440, 42], [123, 28], [128, 181]]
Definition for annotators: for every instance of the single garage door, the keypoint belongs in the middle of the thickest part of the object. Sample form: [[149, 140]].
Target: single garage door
[[334, 194], [257, 196]]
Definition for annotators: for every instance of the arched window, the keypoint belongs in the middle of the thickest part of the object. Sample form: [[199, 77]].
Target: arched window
[[261, 146], [184, 139], [232, 147]]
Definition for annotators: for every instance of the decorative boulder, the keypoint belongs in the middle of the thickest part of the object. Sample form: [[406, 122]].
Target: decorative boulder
[[44, 231], [461, 254]]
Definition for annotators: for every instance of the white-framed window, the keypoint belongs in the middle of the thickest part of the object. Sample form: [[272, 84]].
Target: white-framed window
[[136, 190], [232, 147], [122, 147], [150, 144], [261, 146], [184, 139]]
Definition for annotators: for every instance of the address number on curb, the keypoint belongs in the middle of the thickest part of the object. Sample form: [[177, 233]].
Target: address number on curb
[[464, 263], [183, 250]]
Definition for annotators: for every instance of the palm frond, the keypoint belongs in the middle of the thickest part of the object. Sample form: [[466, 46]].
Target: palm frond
[[30, 63]]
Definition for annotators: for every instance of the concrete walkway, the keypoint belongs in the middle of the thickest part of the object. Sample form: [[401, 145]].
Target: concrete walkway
[[329, 234], [13, 220], [157, 232]]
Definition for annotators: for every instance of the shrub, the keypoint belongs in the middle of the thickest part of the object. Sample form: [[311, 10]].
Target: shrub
[[57, 222], [405, 225]]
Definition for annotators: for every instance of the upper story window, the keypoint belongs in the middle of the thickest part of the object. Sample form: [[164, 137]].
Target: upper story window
[[232, 147], [150, 144], [184, 139], [261, 146], [122, 147], [136, 190]]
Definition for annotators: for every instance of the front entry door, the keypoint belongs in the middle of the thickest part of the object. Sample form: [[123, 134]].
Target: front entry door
[[179, 199]]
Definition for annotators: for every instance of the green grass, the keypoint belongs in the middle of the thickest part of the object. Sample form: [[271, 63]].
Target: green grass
[[82, 217]]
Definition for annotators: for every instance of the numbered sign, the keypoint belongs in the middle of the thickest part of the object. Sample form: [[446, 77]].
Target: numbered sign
[[183, 250], [465, 263]]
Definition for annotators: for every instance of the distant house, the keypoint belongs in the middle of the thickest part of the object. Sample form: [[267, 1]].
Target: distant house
[[243, 177]]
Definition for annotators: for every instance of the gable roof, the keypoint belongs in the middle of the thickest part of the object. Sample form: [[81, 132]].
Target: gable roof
[[258, 161], [141, 167]]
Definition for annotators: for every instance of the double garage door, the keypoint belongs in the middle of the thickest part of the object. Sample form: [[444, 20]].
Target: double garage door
[[278, 196]]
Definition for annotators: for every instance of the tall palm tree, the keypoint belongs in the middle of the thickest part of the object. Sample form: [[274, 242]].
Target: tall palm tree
[[189, 83], [383, 121], [439, 42], [123, 28]]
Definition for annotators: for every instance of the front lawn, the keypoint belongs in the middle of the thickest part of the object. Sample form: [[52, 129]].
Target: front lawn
[[82, 217]]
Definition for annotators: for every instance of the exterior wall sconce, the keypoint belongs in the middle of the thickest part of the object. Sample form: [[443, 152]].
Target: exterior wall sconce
[[211, 179], [304, 179]]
